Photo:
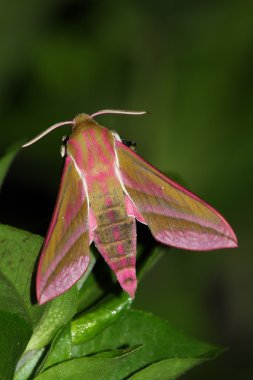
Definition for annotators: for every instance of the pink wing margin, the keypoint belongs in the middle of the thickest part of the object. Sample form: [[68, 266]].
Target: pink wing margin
[[65, 254], [175, 216]]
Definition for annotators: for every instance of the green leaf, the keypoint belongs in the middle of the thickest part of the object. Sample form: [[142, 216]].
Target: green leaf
[[7, 159], [165, 353], [160, 341], [103, 366], [15, 327], [168, 369], [61, 348], [108, 326], [79, 369], [57, 313], [87, 326], [28, 363], [94, 321], [18, 253], [90, 323]]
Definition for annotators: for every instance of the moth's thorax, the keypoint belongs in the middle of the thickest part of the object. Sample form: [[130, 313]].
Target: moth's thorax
[[91, 146], [93, 149]]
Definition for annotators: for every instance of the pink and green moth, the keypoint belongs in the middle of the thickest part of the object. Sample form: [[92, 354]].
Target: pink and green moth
[[105, 187]]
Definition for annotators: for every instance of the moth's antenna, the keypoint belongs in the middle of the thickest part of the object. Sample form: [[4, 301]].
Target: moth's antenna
[[50, 129], [121, 112], [57, 125]]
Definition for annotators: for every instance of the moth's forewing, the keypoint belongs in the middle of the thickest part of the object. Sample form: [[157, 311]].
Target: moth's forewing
[[65, 254], [175, 216]]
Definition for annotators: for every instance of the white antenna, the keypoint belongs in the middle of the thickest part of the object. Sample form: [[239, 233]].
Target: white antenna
[[120, 112], [57, 125], [50, 129]]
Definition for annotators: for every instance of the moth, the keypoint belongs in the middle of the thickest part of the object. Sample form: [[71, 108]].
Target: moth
[[105, 187]]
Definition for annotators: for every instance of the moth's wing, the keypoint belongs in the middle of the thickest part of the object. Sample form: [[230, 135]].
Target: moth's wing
[[65, 254], [175, 216]]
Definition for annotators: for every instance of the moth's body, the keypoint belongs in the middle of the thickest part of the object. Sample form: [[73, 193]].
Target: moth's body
[[92, 148], [105, 186]]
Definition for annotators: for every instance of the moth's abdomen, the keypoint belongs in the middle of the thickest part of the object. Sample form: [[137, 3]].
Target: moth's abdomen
[[115, 238]]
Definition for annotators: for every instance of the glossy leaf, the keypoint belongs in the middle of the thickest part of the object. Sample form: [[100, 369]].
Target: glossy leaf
[[103, 366], [156, 339], [96, 320], [86, 326]]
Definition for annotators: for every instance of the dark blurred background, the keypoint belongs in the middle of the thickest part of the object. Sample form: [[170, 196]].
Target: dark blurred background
[[189, 63]]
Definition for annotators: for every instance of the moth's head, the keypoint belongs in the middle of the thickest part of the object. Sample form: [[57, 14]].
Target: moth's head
[[82, 120]]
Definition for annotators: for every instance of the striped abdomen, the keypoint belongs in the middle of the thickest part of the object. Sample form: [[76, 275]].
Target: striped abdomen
[[115, 238]]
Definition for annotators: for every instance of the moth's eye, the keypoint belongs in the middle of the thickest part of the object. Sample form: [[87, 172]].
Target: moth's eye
[[129, 144]]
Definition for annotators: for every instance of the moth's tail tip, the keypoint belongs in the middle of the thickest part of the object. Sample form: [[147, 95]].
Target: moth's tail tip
[[131, 292], [127, 280], [130, 286]]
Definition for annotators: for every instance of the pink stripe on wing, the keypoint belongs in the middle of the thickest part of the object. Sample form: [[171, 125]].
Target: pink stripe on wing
[[169, 212], [74, 207], [148, 188], [61, 255], [68, 277], [133, 211], [192, 240], [57, 208]]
